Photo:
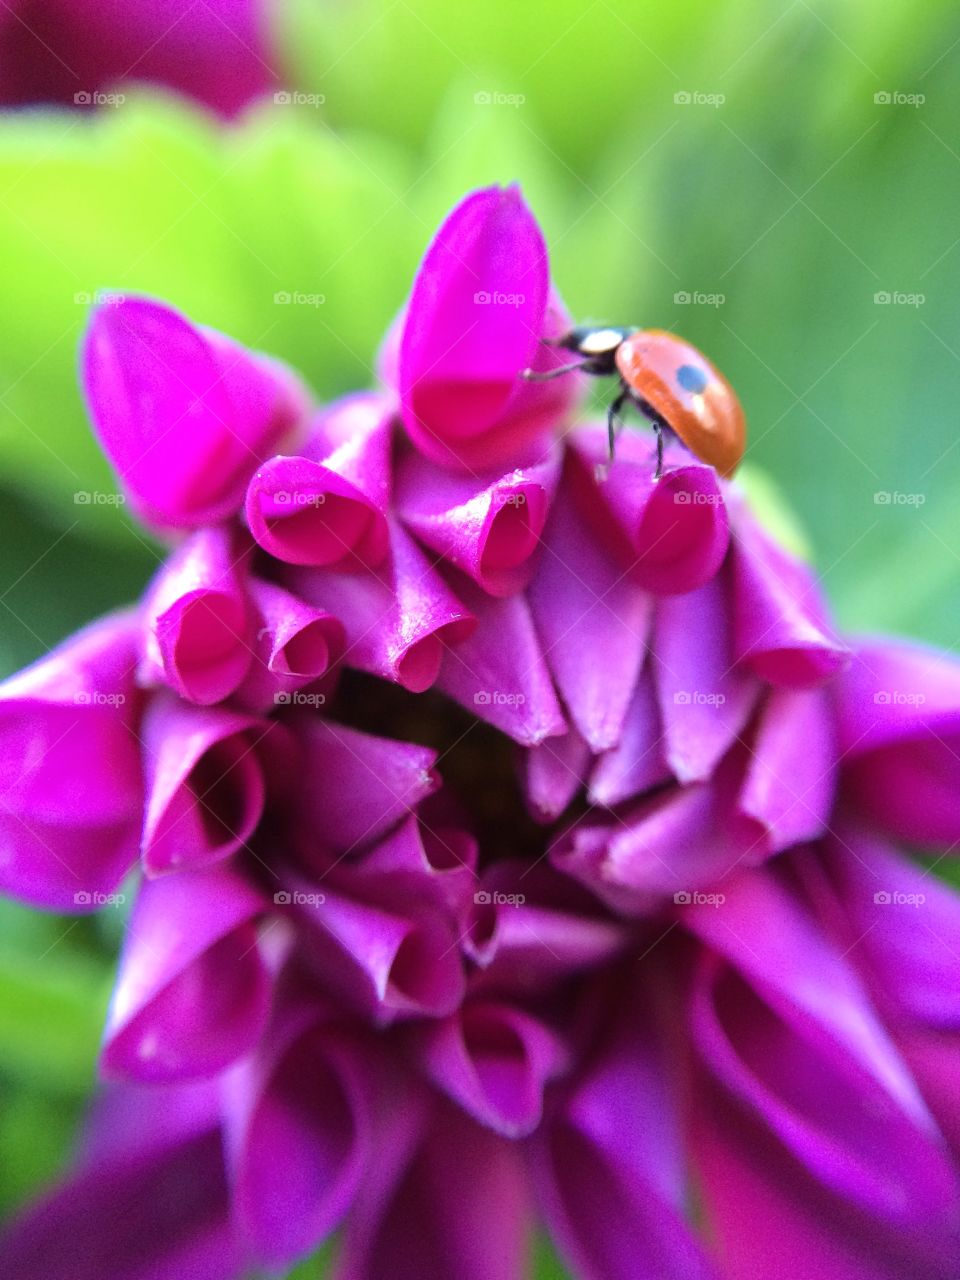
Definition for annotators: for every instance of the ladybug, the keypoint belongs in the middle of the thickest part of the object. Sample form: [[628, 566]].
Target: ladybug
[[672, 384]]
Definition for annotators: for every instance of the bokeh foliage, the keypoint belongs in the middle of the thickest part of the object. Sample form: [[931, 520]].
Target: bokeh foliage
[[797, 199]]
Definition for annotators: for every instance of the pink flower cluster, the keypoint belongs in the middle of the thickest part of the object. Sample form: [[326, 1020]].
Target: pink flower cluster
[[514, 839]]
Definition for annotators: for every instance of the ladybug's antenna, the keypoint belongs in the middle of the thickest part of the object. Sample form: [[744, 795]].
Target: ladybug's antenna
[[545, 375]]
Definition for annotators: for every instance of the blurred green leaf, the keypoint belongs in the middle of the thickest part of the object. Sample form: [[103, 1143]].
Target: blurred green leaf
[[36, 1134], [51, 1017]]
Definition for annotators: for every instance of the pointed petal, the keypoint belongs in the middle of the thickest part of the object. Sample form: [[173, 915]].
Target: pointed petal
[[458, 1211], [399, 620], [704, 700], [424, 859], [386, 960], [355, 787], [584, 606], [790, 782], [477, 310], [299, 1129], [191, 946], [205, 784], [781, 627], [831, 1110], [499, 672], [70, 786], [899, 715], [670, 535], [636, 764], [553, 773], [295, 645], [327, 506], [184, 415], [198, 633], [607, 1165], [771, 1218], [487, 527]]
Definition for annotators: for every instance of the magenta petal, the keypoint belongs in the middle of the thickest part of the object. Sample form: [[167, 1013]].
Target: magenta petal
[[906, 923], [670, 535], [772, 1218], [637, 763], [198, 633], [68, 749], [205, 784], [835, 1114], [528, 946], [495, 1061], [191, 946], [899, 715], [704, 700], [592, 621], [789, 787], [489, 530], [327, 505], [553, 773], [355, 787], [764, 933], [458, 1210], [399, 620], [607, 1165], [295, 645], [146, 1205], [426, 861], [184, 415], [499, 672], [298, 1136], [387, 961], [476, 313], [633, 864], [781, 627], [70, 786]]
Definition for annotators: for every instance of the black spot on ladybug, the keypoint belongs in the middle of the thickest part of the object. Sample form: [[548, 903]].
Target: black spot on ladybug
[[692, 379]]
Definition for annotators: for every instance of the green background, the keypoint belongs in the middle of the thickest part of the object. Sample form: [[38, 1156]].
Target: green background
[[782, 197]]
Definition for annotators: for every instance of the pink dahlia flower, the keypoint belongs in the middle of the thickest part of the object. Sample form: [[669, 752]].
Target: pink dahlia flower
[[515, 843], [74, 51]]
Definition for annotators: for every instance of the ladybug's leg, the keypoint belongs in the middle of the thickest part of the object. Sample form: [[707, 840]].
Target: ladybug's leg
[[614, 421], [658, 428]]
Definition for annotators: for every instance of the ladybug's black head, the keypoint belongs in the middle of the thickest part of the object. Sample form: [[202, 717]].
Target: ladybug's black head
[[597, 342]]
